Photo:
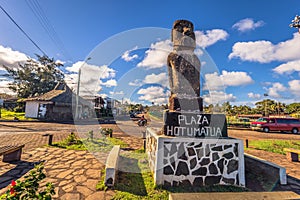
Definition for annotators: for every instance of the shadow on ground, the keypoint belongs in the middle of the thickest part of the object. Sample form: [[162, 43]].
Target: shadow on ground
[[21, 168], [130, 178]]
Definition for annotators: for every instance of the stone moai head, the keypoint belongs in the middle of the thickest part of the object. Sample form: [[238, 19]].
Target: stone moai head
[[183, 36]]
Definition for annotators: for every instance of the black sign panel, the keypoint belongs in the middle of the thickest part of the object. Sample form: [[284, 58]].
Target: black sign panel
[[184, 124]]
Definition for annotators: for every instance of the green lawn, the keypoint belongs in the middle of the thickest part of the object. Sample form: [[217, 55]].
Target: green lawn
[[104, 144], [9, 115], [275, 146]]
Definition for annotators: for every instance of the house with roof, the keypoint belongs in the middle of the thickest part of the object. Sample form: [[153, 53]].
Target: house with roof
[[56, 104]]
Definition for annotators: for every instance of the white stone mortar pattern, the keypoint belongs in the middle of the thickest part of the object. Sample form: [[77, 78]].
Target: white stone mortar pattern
[[195, 161]]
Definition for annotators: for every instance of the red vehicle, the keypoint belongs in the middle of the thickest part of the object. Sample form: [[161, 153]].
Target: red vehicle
[[281, 124], [257, 124]]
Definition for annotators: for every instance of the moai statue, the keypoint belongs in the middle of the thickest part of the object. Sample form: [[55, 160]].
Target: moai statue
[[184, 69]]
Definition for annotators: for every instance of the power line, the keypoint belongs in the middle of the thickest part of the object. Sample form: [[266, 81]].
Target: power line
[[44, 21], [22, 30]]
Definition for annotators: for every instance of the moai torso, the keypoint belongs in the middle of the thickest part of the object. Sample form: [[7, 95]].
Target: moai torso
[[183, 64]]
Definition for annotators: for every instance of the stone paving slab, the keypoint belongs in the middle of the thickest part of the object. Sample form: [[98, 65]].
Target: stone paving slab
[[73, 173]]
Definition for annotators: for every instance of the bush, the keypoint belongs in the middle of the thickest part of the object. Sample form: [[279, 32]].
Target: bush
[[106, 131], [72, 139], [29, 188]]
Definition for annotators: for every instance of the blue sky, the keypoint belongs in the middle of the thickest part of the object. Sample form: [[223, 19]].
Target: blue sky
[[252, 47]]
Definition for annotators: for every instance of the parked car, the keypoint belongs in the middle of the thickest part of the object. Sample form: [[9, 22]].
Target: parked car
[[256, 125], [281, 124]]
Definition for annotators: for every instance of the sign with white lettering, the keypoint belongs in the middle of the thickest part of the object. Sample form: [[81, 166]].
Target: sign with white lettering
[[181, 124]]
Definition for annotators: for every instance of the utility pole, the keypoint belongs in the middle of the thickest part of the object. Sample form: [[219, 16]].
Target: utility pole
[[266, 104], [77, 95], [77, 92]]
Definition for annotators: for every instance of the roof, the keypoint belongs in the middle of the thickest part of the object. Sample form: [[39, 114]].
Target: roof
[[60, 94]]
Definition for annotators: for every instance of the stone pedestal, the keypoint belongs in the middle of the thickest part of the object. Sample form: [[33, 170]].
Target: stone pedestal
[[195, 161], [186, 104]]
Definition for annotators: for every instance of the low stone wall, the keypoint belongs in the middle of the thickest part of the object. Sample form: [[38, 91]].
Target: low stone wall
[[266, 169], [151, 149], [111, 167], [194, 161]]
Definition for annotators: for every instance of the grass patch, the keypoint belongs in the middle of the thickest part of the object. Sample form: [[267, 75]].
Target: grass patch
[[104, 144], [101, 184], [10, 115], [135, 181], [275, 146]]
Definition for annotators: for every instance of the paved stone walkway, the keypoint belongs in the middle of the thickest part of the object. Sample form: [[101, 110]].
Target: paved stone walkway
[[73, 173]]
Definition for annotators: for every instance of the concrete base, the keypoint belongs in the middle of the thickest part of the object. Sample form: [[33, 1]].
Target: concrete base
[[234, 195], [267, 169], [111, 168], [194, 161]]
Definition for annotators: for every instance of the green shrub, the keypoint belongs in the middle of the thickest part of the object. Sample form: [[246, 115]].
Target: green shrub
[[106, 131], [29, 188], [72, 139]]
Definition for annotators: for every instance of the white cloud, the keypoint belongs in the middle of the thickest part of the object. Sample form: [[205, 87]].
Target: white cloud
[[156, 56], [210, 37], [109, 83], [116, 93], [161, 79], [71, 80], [154, 94], [103, 71], [75, 67], [214, 81], [276, 89], [4, 87], [127, 57], [247, 25], [288, 68], [60, 62], [91, 77], [294, 87], [264, 51], [136, 82], [254, 96], [11, 58], [219, 97], [198, 52]]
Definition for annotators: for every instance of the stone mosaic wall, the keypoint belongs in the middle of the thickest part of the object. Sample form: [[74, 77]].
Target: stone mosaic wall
[[195, 162], [198, 163]]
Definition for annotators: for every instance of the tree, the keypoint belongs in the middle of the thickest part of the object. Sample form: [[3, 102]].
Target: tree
[[293, 108], [35, 77], [266, 106], [226, 108]]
